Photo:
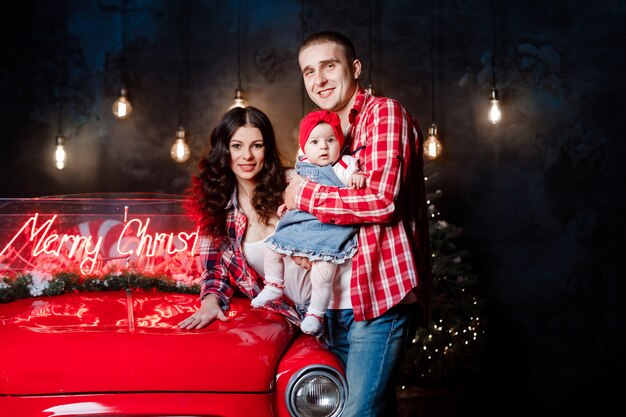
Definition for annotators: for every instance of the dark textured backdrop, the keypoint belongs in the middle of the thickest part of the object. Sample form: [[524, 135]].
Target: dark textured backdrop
[[538, 196]]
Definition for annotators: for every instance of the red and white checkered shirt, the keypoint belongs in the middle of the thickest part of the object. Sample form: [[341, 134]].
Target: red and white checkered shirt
[[391, 209], [226, 267]]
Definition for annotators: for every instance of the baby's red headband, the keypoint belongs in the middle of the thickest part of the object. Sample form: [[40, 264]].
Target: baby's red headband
[[316, 117]]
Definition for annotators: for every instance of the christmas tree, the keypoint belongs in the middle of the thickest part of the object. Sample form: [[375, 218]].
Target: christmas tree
[[446, 351]]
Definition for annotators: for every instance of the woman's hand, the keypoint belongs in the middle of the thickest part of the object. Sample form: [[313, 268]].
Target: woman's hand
[[209, 310]]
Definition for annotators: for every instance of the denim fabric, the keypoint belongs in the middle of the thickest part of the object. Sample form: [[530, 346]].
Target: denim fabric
[[302, 234], [321, 174], [371, 351], [302, 308]]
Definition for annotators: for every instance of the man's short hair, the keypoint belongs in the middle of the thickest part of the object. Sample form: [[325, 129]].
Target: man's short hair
[[332, 37]]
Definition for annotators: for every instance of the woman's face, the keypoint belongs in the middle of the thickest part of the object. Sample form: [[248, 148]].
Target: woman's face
[[247, 153]]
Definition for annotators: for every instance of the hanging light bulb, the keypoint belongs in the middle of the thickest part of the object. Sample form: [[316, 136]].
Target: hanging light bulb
[[60, 156], [180, 150], [495, 115], [239, 100], [432, 146], [122, 107], [370, 87]]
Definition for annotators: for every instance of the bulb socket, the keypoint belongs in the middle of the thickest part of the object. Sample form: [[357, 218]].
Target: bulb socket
[[432, 130], [494, 94]]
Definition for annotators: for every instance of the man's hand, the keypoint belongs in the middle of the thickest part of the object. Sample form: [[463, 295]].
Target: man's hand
[[302, 262], [291, 191]]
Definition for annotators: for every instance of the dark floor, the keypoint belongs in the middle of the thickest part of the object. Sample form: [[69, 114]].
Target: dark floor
[[429, 402]]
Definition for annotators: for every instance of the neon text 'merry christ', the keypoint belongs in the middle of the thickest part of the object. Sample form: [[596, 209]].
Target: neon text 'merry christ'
[[84, 249]]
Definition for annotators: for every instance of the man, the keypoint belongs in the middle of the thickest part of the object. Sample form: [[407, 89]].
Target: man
[[391, 271]]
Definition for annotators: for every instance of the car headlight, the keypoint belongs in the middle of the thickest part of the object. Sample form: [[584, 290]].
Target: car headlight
[[316, 391]]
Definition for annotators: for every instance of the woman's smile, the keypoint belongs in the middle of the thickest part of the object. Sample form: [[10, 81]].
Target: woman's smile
[[247, 153]]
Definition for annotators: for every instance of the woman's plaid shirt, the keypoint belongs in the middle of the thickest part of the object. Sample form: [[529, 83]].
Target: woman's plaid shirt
[[226, 267]]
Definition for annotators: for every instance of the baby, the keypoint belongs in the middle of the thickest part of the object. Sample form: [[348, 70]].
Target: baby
[[301, 234]]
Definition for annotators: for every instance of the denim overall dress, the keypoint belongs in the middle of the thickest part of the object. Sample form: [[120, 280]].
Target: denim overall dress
[[299, 233]]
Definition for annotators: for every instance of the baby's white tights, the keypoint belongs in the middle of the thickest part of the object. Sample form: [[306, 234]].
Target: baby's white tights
[[322, 274], [274, 281]]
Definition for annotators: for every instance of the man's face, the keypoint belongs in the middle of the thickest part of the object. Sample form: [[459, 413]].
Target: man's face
[[329, 79]]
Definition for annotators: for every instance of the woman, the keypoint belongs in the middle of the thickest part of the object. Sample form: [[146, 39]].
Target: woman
[[235, 196]]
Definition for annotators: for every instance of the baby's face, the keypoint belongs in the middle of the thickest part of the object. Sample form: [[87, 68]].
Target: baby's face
[[322, 147]]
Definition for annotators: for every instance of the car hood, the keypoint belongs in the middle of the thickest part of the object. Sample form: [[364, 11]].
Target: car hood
[[129, 342]]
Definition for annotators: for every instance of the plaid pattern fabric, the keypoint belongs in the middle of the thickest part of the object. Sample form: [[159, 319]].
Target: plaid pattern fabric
[[227, 269], [391, 210]]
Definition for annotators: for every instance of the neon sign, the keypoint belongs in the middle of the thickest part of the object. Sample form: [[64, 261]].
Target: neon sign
[[97, 245]]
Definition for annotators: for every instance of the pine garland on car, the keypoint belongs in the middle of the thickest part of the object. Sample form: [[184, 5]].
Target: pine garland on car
[[36, 283]]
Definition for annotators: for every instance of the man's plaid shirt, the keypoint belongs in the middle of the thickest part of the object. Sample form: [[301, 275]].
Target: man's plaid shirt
[[393, 255]]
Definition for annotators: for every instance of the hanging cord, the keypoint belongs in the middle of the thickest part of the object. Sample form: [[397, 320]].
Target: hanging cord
[[180, 62], [123, 60], [432, 65], [63, 67], [60, 112], [239, 46], [371, 66], [493, 51], [302, 87]]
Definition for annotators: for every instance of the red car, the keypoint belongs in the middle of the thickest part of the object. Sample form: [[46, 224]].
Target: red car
[[119, 353]]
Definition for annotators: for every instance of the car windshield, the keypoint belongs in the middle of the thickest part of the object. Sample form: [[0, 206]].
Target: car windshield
[[97, 237]]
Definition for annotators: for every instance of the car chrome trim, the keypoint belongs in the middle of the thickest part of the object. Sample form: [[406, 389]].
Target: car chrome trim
[[323, 370]]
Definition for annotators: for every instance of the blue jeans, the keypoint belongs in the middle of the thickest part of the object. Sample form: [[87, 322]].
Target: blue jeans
[[371, 352]]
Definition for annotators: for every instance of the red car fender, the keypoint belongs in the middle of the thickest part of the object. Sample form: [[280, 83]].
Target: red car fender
[[306, 351]]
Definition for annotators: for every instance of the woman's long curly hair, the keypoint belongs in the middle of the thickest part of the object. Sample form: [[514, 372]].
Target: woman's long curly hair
[[212, 187]]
